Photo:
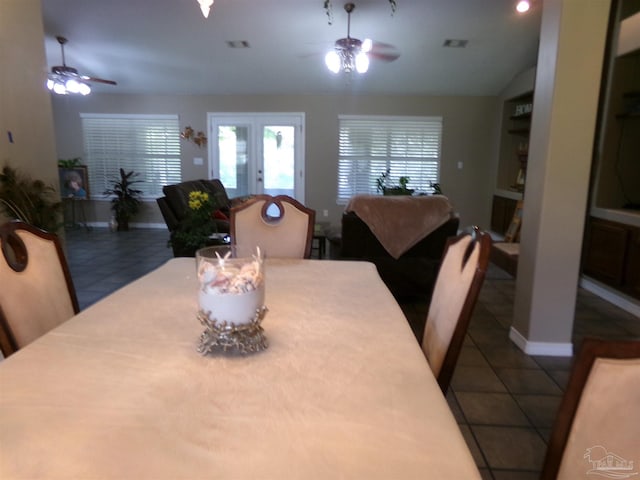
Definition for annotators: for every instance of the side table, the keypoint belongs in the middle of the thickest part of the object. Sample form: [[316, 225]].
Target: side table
[[319, 241]]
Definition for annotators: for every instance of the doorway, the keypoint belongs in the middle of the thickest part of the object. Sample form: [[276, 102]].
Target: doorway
[[254, 153]]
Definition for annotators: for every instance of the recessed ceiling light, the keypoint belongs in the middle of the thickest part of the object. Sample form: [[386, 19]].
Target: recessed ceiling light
[[455, 43], [523, 6], [238, 44]]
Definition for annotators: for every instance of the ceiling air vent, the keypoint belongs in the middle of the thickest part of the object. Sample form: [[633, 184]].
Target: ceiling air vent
[[238, 44], [455, 43]]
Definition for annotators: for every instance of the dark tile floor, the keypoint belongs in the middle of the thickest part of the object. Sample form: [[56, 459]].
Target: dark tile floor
[[102, 261], [504, 401]]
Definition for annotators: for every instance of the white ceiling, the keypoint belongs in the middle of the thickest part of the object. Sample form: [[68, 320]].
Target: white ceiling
[[168, 47]]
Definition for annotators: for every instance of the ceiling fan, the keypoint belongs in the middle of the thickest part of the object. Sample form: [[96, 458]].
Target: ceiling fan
[[64, 79], [351, 54]]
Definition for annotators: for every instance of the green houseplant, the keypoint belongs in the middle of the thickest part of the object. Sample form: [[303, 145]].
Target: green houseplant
[[197, 226], [29, 200], [126, 200], [400, 189]]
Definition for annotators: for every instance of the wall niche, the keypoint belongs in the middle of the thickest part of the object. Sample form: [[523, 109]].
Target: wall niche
[[617, 174]]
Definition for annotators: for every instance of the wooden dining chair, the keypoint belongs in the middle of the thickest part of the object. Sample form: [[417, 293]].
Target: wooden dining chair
[[456, 290], [280, 225], [37, 292], [597, 427]]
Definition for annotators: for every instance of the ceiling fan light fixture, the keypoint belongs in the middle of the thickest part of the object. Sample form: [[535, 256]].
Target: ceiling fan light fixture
[[348, 59], [64, 79], [84, 89], [72, 86], [205, 6], [351, 54], [65, 87], [59, 88], [332, 60], [362, 62]]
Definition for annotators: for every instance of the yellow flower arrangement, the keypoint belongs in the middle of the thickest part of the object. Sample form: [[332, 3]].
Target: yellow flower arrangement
[[197, 225], [198, 199]]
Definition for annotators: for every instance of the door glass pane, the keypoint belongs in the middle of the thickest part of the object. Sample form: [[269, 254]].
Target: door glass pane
[[278, 146], [234, 168]]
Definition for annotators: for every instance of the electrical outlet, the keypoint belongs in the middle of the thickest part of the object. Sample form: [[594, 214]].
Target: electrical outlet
[[325, 213], [198, 161], [459, 165]]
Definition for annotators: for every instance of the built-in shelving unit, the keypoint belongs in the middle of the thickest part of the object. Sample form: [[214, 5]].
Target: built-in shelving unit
[[512, 161], [611, 252]]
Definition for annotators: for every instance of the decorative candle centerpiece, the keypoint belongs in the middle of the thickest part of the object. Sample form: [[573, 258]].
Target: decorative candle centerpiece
[[231, 298]]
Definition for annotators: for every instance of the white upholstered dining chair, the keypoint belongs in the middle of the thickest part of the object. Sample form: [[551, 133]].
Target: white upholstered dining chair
[[37, 292], [456, 290], [279, 225], [597, 428]]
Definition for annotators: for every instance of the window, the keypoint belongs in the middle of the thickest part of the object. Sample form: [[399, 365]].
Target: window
[[148, 144], [368, 146]]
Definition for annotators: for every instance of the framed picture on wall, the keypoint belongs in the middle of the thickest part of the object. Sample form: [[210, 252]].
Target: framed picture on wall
[[74, 182]]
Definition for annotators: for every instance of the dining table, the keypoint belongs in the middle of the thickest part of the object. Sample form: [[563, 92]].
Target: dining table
[[120, 391]]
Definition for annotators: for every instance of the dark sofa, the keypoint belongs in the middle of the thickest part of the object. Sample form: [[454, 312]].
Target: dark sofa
[[175, 205], [410, 276]]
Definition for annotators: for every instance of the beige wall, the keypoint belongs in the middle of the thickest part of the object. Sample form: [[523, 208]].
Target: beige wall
[[25, 106], [560, 152], [470, 129]]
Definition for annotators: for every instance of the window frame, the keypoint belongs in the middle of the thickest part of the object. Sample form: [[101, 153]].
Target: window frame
[[103, 170], [371, 152]]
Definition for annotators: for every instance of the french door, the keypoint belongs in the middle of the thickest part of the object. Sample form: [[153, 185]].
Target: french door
[[253, 153]]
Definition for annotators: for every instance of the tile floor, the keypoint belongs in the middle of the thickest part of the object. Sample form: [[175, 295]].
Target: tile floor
[[102, 261], [504, 401]]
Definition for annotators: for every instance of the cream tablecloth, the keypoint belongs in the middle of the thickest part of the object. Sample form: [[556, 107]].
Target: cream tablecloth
[[343, 391]]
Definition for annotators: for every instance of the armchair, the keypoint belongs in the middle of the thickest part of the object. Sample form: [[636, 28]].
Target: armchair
[[174, 205]]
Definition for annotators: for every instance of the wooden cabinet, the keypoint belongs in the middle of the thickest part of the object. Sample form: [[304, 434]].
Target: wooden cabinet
[[612, 255], [502, 211], [632, 270]]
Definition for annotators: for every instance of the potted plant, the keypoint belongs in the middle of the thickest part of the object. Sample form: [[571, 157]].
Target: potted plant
[[126, 200], [31, 201], [400, 189], [196, 227]]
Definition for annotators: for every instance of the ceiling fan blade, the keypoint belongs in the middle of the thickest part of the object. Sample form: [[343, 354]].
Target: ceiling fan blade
[[65, 72], [98, 80], [385, 57], [382, 45], [383, 51]]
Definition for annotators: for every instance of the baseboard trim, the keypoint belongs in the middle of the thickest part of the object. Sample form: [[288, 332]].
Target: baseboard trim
[[618, 299], [540, 348]]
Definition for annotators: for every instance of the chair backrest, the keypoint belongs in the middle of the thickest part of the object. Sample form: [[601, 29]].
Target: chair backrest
[[597, 427], [454, 296], [288, 233], [37, 292]]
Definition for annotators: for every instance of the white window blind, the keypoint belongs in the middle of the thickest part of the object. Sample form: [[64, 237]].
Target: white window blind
[[147, 144], [368, 146]]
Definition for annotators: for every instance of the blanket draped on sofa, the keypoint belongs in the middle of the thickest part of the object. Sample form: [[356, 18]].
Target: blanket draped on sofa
[[400, 222]]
